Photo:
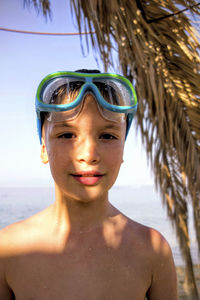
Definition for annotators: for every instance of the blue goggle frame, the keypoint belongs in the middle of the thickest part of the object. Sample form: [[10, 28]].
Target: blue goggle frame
[[88, 85]]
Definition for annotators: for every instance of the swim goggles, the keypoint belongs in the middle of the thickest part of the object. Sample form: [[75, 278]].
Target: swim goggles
[[60, 95]]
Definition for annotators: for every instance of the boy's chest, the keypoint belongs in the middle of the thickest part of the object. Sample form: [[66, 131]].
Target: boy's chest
[[94, 275]]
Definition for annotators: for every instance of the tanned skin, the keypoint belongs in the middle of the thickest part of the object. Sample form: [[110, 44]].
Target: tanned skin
[[81, 247]]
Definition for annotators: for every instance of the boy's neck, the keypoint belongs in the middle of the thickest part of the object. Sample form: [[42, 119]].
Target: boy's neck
[[78, 217]]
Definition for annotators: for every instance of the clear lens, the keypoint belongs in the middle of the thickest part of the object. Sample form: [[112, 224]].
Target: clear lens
[[111, 115], [64, 115], [62, 90], [114, 91], [72, 114]]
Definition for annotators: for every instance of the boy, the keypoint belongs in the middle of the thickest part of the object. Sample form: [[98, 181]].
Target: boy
[[81, 247]]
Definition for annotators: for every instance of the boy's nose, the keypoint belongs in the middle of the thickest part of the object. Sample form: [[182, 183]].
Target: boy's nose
[[88, 151]]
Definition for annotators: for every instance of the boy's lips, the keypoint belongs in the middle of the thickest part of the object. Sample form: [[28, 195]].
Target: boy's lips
[[87, 177]]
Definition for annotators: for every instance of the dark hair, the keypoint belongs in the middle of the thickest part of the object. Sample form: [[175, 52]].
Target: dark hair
[[87, 71]]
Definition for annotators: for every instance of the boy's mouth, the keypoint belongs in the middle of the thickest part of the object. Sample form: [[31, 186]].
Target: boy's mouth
[[87, 177]]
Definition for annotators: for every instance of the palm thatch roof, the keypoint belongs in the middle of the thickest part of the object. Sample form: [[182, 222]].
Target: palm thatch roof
[[155, 44]]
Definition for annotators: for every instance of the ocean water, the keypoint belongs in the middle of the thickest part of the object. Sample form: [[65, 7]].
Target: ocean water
[[141, 204]]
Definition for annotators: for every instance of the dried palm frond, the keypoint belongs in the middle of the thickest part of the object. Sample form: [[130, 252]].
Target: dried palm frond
[[43, 5], [157, 47]]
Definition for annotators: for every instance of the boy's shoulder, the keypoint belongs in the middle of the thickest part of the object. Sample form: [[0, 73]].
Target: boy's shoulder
[[155, 256], [21, 235], [12, 238], [148, 240]]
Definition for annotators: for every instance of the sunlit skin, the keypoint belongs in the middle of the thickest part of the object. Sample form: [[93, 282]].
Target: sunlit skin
[[81, 247], [91, 147]]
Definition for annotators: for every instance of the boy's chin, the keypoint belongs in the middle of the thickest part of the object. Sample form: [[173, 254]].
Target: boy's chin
[[88, 195]]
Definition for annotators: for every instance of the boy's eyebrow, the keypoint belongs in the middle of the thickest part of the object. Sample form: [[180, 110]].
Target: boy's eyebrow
[[113, 126], [67, 125], [61, 124]]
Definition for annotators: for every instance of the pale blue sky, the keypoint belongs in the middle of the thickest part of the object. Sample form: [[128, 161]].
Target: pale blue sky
[[25, 60]]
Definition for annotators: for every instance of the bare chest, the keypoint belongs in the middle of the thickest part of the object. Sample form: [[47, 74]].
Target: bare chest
[[84, 275]]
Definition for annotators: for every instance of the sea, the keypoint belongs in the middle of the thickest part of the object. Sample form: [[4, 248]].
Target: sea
[[142, 204]]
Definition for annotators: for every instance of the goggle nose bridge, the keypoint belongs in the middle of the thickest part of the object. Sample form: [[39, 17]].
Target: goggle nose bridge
[[89, 86]]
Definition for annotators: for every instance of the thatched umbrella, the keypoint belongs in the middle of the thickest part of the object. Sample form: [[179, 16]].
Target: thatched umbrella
[[157, 47]]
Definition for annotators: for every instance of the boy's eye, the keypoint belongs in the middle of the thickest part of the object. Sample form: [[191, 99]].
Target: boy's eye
[[67, 135], [108, 136]]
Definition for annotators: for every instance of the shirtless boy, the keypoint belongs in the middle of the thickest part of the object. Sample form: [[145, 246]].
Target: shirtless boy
[[81, 247]]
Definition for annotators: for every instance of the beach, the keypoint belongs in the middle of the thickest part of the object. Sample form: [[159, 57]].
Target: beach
[[180, 274]]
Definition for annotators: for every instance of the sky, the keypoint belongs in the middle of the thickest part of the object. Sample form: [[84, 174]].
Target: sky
[[24, 61]]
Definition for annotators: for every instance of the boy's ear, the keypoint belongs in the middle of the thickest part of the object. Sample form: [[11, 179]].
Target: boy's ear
[[44, 155]]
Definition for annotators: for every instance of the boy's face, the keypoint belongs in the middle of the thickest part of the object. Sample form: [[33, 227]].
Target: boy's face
[[85, 154]]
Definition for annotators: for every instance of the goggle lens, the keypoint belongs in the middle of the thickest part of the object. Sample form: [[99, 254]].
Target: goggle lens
[[114, 92], [65, 90], [61, 91]]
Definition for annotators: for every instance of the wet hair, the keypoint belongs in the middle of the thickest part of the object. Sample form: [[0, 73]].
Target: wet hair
[[87, 71], [63, 90]]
